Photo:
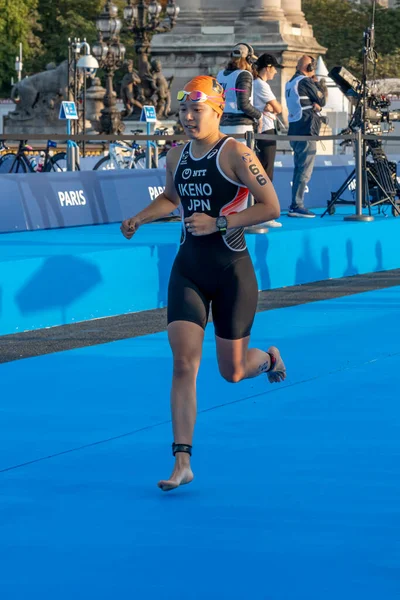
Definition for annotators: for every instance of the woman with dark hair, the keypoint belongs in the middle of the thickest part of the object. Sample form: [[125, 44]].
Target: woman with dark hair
[[265, 100], [210, 177], [240, 115]]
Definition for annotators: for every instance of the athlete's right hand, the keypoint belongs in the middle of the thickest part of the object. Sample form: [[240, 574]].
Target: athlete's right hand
[[129, 227]]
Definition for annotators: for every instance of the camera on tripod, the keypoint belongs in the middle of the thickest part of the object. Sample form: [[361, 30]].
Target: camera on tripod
[[376, 115], [374, 180], [372, 116]]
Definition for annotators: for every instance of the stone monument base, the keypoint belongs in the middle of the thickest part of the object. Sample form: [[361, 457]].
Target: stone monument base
[[206, 31], [33, 126], [36, 126]]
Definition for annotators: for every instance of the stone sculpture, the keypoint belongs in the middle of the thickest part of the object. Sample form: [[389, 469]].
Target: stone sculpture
[[131, 92], [162, 94], [39, 96]]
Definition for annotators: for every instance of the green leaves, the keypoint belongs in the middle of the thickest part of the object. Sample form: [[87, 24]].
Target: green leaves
[[43, 27], [17, 19], [60, 20], [339, 25]]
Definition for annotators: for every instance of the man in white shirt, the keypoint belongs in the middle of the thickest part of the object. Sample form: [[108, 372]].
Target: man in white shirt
[[265, 101]]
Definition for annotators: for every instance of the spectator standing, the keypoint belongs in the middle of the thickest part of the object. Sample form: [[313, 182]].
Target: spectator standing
[[305, 97], [266, 67], [240, 115]]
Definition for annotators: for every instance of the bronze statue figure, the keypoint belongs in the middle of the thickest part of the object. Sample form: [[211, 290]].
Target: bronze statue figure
[[162, 94], [131, 93]]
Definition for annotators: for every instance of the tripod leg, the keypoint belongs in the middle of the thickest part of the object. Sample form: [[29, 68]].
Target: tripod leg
[[336, 195], [386, 197], [366, 199]]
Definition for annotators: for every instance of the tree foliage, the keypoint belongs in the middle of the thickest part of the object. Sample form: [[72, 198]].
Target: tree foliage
[[61, 20], [44, 26], [17, 19], [339, 25]]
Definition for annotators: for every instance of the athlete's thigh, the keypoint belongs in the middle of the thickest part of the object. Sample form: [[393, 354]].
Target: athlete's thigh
[[186, 341], [235, 303], [186, 301]]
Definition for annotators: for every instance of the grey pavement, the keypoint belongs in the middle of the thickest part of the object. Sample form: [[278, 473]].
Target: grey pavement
[[100, 331]]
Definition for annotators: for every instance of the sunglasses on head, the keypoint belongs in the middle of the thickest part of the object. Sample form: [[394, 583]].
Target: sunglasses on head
[[194, 96]]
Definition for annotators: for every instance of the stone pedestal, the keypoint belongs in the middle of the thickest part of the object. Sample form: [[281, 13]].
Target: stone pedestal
[[94, 103], [293, 12], [38, 126], [207, 30], [264, 10]]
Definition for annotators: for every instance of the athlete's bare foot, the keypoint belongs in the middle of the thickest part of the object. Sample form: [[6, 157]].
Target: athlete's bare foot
[[278, 372], [180, 476]]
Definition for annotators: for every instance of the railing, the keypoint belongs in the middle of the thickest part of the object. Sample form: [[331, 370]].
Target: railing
[[359, 155], [100, 142]]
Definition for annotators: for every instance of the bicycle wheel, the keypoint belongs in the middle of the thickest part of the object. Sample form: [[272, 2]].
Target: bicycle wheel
[[12, 163], [140, 161], [57, 163], [107, 163]]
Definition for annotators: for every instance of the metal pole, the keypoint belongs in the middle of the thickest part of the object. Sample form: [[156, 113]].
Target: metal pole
[[84, 112], [76, 158], [18, 63], [359, 178], [76, 50], [250, 141], [148, 148], [70, 150], [70, 95], [155, 155], [361, 189]]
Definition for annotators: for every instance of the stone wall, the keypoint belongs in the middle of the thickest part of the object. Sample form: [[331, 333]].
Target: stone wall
[[207, 29]]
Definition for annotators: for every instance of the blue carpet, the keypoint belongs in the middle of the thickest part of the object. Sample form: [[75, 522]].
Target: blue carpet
[[55, 277], [296, 491]]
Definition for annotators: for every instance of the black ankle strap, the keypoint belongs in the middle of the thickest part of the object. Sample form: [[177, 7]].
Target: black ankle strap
[[273, 361], [181, 448]]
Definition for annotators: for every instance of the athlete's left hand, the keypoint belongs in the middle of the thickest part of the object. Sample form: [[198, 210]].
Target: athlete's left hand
[[201, 224]]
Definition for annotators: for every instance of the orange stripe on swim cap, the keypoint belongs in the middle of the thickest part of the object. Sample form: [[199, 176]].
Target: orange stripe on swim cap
[[210, 86]]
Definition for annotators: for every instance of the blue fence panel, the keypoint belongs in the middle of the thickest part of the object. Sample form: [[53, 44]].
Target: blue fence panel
[[30, 201]]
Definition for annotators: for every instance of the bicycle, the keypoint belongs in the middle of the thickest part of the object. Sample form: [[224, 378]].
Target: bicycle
[[164, 147], [122, 155], [19, 162], [126, 155]]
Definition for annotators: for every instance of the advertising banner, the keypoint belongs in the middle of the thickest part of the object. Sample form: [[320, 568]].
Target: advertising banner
[[30, 201]]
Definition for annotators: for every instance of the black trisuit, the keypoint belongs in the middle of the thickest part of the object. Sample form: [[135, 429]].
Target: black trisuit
[[212, 268]]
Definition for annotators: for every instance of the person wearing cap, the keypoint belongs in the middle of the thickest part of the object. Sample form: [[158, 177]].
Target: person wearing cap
[[210, 177], [305, 97], [240, 114], [266, 67]]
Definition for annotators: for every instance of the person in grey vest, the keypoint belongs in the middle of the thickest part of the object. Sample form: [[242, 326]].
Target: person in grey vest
[[240, 115], [305, 97]]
